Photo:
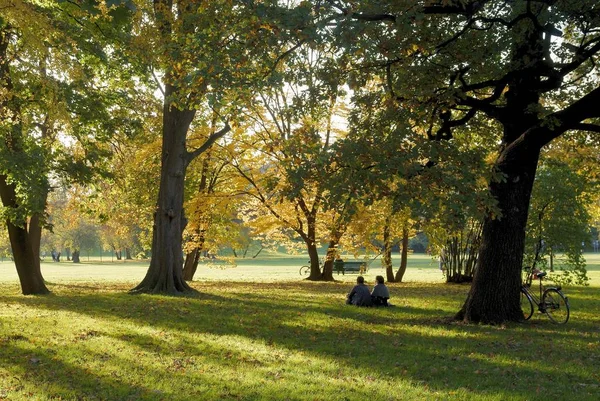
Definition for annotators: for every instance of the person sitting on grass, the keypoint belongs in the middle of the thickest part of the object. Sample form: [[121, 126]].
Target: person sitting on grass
[[380, 294], [360, 294]]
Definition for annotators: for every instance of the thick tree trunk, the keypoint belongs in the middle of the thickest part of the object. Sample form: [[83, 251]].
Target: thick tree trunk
[[311, 246], [165, 274], [128, 254], [26, 261], [494, 294], [25, 253], [327, 274], [30, 276], [191, 264], [404, 256], [313, 254]]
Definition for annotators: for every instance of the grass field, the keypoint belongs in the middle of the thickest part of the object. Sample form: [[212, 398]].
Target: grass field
[[258, 332]]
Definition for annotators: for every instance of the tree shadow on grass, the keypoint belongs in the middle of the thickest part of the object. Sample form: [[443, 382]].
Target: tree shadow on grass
[[412, 343], [35, 373]]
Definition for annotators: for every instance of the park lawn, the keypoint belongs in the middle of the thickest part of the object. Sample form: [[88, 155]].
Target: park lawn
[[276, 339]]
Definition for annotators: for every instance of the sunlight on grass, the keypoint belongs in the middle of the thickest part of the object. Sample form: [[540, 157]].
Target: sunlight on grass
[[285, 339]]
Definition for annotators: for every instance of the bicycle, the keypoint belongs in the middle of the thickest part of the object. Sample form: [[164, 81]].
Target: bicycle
[[550, 301], [305, 270]]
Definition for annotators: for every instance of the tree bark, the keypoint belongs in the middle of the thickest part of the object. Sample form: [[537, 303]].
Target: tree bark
[[26, 261], [404, 256], [25, 248], [327, 274], [191, 264], [311, 246], [387, 252], [165, 274], [313, 254], [494, 294]]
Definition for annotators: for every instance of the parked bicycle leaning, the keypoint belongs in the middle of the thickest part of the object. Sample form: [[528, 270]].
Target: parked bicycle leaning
[[550, 300]]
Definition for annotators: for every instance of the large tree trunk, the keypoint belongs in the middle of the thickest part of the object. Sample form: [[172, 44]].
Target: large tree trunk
[[313, 254], [165, 274], [494, 294], [327, 274], [26, 261], [25, 253], [404, 256]]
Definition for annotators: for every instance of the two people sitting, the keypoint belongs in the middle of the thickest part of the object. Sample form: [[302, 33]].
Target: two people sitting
[[361, 296]]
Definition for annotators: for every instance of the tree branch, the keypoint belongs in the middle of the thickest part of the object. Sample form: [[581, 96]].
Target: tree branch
[[587, 127], [553, 126], [209, 142]]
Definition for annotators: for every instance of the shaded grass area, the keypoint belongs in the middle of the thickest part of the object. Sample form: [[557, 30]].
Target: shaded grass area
[[290, 340]]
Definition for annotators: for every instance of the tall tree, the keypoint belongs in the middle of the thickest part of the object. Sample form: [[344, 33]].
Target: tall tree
[[211, 56], [528, 66], [288, 167], [50, 62]]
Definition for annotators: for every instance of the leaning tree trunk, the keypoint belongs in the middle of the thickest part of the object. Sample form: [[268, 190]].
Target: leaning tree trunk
[[26, 261], [191, 263], [165, 274], [494, 294], [26, 258], [404, 256]]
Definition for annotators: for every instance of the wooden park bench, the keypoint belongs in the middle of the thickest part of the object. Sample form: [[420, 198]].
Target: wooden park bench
[[350, 267]]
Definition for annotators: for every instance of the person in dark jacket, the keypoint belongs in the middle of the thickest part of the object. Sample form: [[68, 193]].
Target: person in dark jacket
[[360, 294]]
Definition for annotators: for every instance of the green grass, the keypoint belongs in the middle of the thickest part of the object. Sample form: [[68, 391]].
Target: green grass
[[258, 332]]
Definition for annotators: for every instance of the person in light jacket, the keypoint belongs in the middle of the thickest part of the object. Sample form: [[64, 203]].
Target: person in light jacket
[[380, 294]]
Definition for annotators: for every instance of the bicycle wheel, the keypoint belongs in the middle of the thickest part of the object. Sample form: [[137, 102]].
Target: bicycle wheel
[[556, 305], [526, 305], [304, 270]]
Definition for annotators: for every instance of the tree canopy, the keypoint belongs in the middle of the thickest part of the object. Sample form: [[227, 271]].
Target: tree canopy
[[329, 117]]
